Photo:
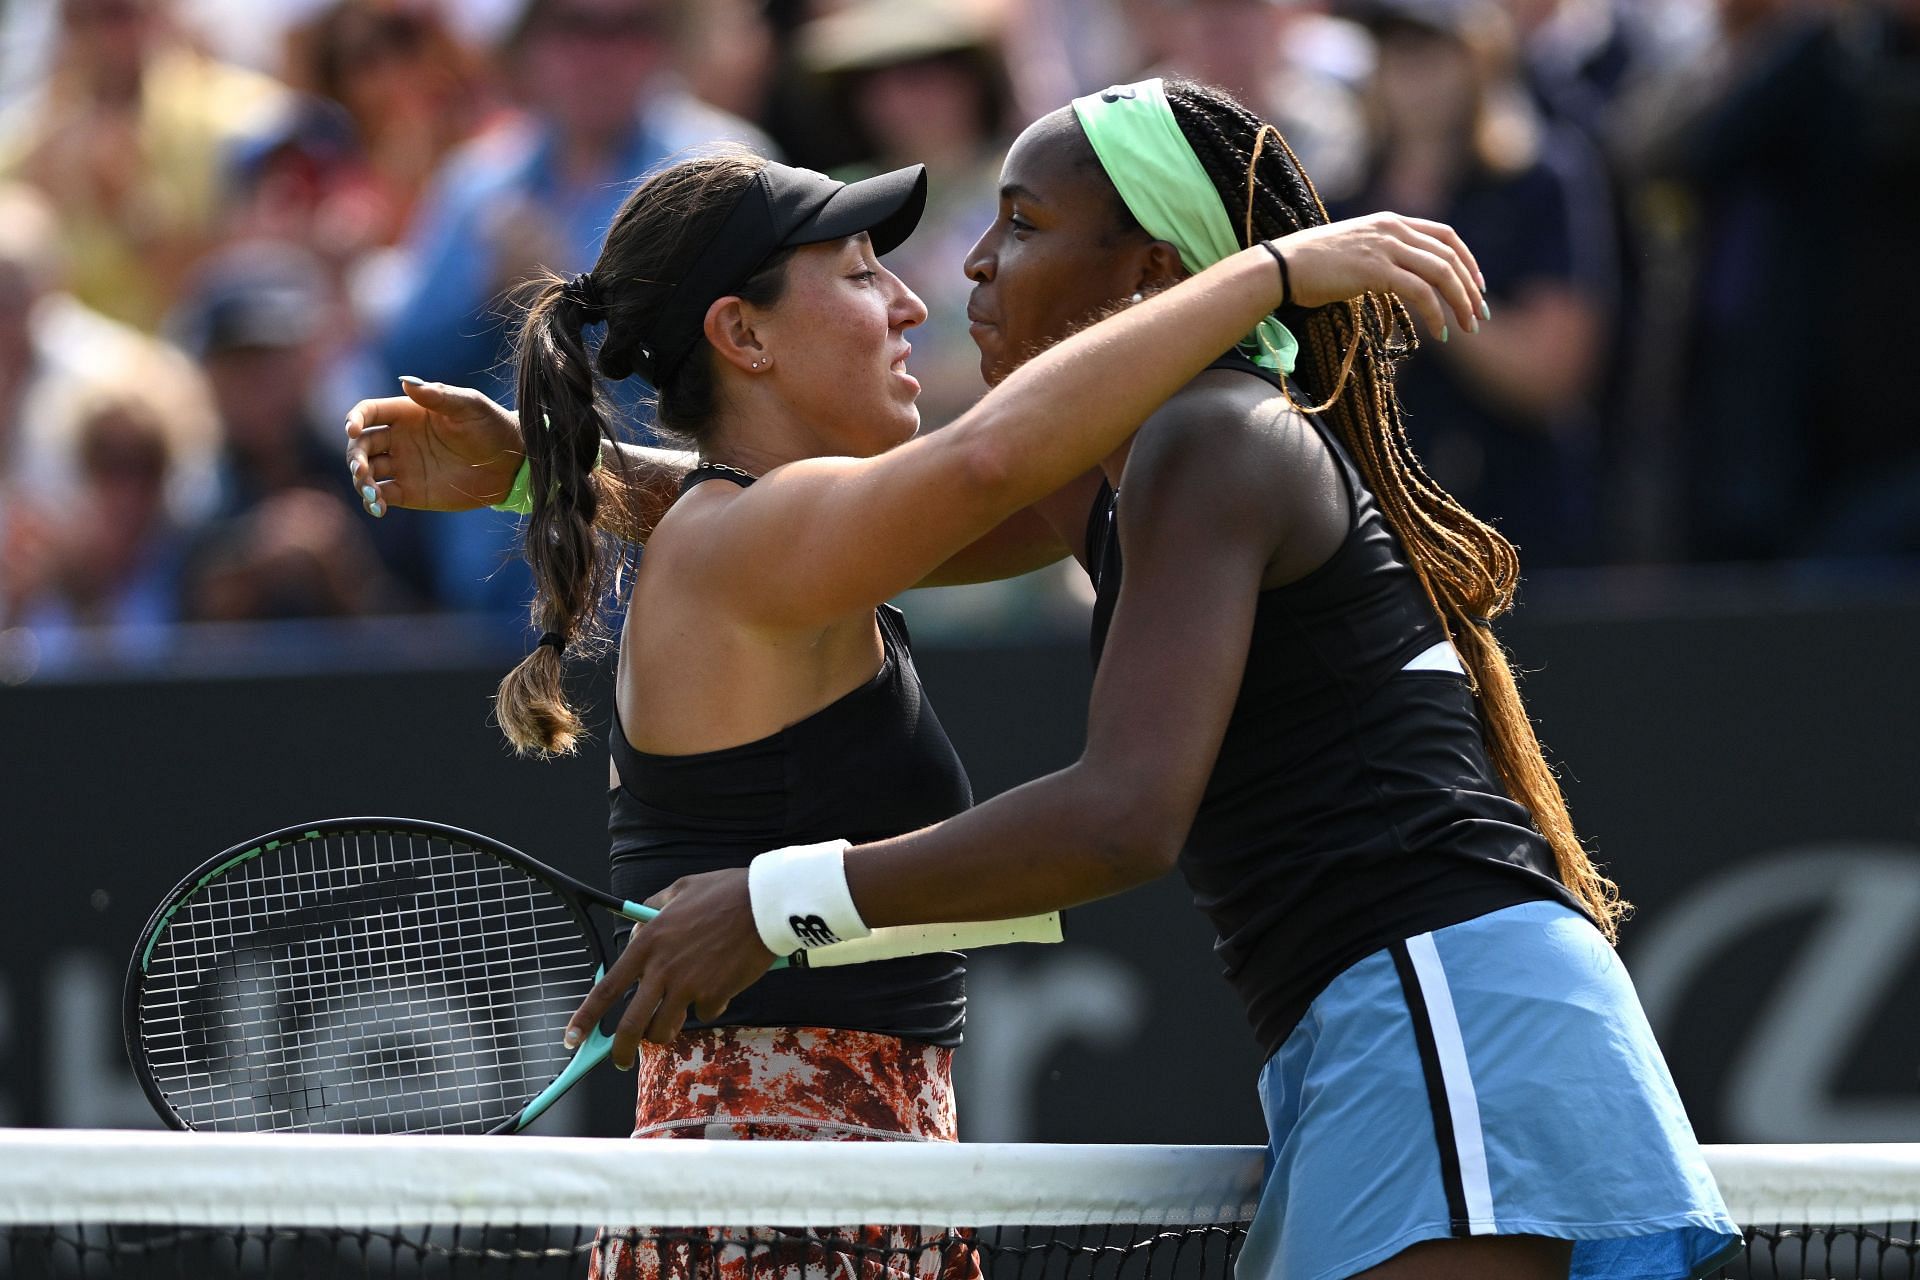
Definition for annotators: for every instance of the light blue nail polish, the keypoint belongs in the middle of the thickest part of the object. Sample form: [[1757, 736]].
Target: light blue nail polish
[[1443, 333], [370, 493], [376, 510], [410, 380], [1486, 312]]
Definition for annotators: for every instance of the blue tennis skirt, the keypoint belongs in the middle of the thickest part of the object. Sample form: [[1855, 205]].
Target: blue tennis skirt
[[1496, 1077]]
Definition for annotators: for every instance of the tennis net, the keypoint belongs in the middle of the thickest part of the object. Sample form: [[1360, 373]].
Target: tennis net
[[77, 1203]]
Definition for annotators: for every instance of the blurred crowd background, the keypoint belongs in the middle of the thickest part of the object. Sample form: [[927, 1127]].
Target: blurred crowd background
[[224, 221]]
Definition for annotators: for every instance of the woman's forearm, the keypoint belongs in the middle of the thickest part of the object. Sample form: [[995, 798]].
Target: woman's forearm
[[1067, 408], [1056, 842]]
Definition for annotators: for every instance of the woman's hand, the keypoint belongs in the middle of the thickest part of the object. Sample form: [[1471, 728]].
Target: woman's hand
[[1426, 263], [702, 950], [436, 448]]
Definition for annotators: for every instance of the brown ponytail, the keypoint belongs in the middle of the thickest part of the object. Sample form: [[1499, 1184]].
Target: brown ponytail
[[1347, 357], [564, 420], [562, 424]]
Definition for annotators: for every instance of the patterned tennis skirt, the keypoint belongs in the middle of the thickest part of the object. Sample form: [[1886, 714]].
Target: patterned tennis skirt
[[797, 1083]]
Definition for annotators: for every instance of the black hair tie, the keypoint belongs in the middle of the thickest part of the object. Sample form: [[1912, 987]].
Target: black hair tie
[[583, 291], [554, 638], [1286, 279]]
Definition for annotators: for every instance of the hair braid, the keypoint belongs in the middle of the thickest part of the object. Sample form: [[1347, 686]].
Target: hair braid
[[564, 420], [563, 425], [1348, 354]]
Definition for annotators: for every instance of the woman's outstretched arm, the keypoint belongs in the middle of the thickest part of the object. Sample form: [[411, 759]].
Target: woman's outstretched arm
[[820, 538]]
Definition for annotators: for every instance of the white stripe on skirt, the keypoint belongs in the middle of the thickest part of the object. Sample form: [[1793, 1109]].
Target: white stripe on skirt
[[1461, 1101]]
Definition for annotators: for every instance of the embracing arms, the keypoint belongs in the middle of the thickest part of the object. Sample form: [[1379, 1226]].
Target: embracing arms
[[819, 539], [1198, 530], [449, 448], [445, 448]]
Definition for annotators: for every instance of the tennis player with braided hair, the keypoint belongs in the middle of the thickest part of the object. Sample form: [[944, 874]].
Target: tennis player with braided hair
[[764, 693], [1299, 699]]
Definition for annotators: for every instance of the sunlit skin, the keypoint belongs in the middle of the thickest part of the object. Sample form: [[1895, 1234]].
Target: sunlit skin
[[832, 354], [821, 372], [1056, 257]]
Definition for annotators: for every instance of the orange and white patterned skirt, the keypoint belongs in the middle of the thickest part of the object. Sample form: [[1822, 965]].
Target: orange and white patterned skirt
[[805, 1083]]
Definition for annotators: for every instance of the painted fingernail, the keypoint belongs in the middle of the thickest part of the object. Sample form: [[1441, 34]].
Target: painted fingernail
[[409, 380], [624, 1066], [1443, 333], [371, 494], [375, 510], [1486, 312], [572, 1038], [1473, 326]]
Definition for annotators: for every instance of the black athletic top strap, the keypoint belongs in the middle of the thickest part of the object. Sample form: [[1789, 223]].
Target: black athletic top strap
[[716, 471]]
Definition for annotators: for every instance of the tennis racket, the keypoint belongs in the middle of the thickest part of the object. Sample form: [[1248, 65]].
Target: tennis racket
[[382, 975]]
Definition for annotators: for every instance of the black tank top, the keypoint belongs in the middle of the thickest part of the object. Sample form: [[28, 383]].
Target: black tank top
[[873, 764], [1353, 804]]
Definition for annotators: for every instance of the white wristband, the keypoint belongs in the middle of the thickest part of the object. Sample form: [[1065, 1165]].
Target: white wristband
[[800, 898]]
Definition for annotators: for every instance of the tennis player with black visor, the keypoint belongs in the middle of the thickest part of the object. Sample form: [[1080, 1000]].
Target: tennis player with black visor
[[1299, 700]]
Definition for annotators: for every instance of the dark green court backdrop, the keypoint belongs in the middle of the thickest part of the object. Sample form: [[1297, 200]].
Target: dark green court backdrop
[[1745, 760]]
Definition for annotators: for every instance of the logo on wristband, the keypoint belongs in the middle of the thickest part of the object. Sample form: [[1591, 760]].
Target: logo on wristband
[[811, 930]]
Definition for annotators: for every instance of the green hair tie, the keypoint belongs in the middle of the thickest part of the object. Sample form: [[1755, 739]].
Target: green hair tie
[[1139, 143]]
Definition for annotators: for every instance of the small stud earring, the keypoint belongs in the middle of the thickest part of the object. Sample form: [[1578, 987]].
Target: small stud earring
[[1138, 296]]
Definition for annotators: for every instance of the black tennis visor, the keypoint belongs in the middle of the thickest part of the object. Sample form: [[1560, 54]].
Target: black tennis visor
[[781, 208]]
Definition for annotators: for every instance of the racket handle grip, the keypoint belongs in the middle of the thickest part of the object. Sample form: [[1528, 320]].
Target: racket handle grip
[[924, 939]]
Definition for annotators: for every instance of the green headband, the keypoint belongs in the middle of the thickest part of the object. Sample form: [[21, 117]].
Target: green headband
[[1139, 144]]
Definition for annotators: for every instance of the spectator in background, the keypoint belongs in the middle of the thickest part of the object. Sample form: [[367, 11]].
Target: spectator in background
[[1292, 62], [55, 355], [128, 137], [922, 83], [112, 557], [1798, 153], [296, 555], [600, 107], [254, 319], [728, 39], [410, 89], [1505, 421], [730, 56], [1584, 62], [258, 319], [304, 179]]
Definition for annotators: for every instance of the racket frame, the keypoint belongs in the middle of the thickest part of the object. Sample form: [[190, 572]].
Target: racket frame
[[570, 891], [881, 944]]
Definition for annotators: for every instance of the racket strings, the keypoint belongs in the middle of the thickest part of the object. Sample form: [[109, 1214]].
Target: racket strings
[[363, 982]]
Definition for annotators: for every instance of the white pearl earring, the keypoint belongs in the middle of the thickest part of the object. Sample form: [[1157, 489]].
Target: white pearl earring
[[1138, 296]]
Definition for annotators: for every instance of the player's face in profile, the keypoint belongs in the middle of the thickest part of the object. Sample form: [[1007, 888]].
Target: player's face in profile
[[1052, 259], [839, 344]]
